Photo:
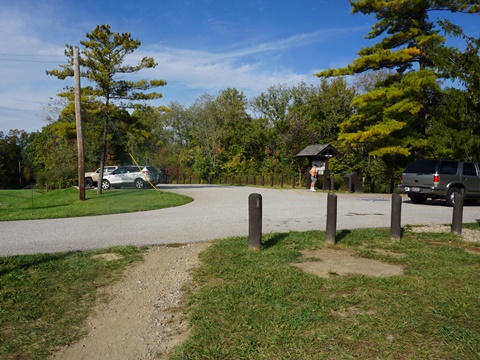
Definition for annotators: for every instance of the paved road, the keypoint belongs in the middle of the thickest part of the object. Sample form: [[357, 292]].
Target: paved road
[[216, 212]]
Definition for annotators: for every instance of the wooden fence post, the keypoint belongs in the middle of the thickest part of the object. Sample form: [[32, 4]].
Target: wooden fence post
[[396, 215], [255, 221], [331, 230], [457, 217]]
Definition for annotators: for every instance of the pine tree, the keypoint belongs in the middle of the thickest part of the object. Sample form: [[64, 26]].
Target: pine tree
[[394, 118], [102, 64]]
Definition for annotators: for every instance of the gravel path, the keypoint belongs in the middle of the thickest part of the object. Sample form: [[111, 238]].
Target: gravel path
[[143, 318]]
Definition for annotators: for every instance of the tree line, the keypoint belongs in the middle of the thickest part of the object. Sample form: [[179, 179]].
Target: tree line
[[409, 95]]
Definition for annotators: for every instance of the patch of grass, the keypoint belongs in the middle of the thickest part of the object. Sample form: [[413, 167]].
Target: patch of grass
[[26, 205], [45, 299], [255, 305], [472, 226]]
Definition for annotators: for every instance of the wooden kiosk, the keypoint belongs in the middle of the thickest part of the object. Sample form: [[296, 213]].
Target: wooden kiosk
[[319, 155]]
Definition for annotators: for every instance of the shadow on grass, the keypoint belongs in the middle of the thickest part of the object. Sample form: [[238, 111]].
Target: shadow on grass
[[274, 240], [25, 262], [342, 234]]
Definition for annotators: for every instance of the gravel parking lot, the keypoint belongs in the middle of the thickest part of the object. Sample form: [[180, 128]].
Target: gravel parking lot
[[216, 212]]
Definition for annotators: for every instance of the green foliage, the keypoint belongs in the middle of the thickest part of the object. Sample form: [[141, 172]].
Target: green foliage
[[15, 166], [299, 116], [55, 158]]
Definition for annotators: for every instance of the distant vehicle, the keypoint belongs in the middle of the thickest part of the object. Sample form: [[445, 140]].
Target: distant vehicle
[[91, 178], [131, 175], [441, 179]]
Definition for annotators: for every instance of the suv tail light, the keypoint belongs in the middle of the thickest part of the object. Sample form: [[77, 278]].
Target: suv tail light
[[436, 180], [146, 172]]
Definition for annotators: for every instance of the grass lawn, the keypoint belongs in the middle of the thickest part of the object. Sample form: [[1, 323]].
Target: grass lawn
[[45, 299], [256, 305], [28, 204], [247, 304]]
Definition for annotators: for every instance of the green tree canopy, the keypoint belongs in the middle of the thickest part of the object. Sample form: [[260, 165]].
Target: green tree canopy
[[394, 118], [102, 61]]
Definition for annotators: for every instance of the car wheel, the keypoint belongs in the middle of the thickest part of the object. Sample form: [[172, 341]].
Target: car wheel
[[418, 199], [105, 184], [450, 200], [139, 183], [88, 182]]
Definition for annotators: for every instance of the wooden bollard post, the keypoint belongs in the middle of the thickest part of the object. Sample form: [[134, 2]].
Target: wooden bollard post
[[331, 230], [396, 216], [457, 217], [255, 221]]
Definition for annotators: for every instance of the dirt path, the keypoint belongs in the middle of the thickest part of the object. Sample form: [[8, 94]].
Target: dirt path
[[140, 321]]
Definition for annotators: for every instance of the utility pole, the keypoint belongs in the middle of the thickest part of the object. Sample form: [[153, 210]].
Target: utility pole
[[78, 121]]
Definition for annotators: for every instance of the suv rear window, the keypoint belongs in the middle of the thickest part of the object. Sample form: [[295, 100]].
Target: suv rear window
[[421, 167], [469, 169], [448, 167]]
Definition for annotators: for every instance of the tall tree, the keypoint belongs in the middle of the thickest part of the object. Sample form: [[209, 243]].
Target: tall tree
[[394, 117], [463, 67], [301, 115], [12, 164], [102, 61]]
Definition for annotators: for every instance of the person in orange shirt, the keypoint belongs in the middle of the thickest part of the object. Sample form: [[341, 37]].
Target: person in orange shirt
[[313, 177]]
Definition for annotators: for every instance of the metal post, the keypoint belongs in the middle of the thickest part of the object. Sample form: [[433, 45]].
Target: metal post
[[396, 215], [255, 221], [457, 218], [331, 230]]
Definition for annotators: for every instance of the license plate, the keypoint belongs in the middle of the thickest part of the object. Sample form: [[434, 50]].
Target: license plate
[[415, 189]]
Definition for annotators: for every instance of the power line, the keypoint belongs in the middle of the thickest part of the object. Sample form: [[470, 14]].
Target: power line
[[36, 61], [30, 36], [46, 56]]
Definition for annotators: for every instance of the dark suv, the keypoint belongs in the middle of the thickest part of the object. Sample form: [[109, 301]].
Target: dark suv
[[441, 179]]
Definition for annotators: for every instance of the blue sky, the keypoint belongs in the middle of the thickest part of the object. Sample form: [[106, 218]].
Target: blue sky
[[201, 46]]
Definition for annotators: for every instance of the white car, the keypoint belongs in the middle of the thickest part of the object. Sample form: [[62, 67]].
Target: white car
[[91, 178], [131, 175]]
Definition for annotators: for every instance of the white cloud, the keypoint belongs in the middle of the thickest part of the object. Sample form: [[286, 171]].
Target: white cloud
[[250, 67]]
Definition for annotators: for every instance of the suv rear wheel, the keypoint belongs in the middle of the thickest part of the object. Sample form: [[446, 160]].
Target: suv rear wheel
[[88, 182], [450, 200], [105, 184], [139, 183]]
